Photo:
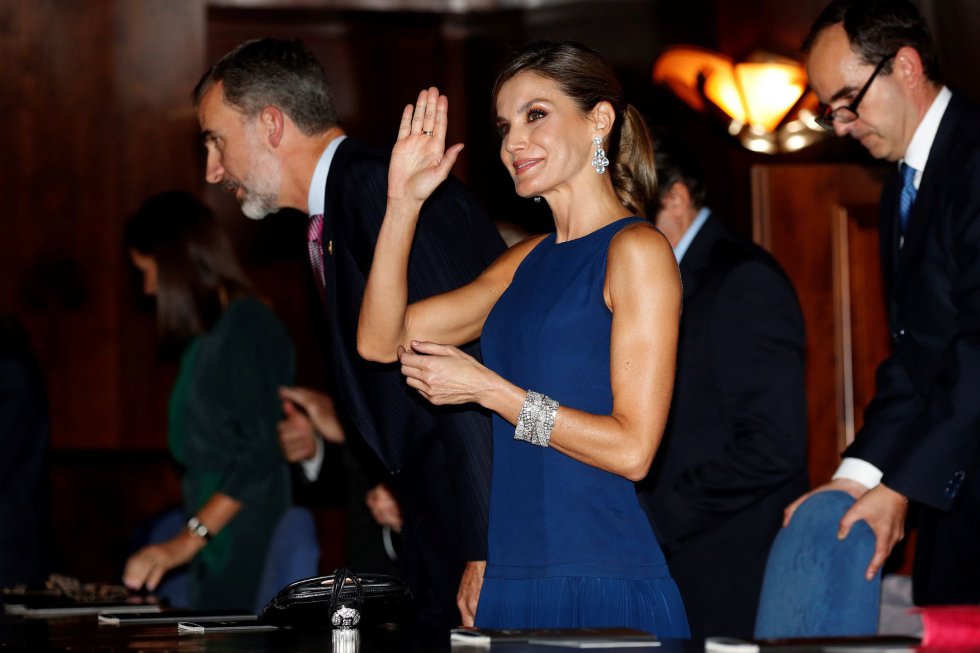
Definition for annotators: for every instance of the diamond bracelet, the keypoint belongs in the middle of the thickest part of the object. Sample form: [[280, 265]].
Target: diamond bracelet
[[536, 419]]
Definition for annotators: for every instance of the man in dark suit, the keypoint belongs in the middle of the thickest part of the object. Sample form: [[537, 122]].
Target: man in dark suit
[[310, 424], [734, 450], [24, 515], [273, 139], [874, 65]]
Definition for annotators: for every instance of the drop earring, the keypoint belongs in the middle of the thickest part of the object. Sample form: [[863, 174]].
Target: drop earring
[[599, 161]]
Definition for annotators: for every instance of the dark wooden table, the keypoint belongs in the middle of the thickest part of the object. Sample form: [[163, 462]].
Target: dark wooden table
[[83, 634]]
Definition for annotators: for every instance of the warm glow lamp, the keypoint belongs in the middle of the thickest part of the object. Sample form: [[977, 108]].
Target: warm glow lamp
[[757, 95]]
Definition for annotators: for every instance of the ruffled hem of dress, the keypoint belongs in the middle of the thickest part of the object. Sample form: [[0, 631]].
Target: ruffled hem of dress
[[651, 605]]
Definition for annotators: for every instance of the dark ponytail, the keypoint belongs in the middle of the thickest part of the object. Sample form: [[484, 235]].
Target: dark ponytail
[[634, 170]]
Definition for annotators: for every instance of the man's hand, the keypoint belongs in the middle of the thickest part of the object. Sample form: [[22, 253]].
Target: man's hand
[[319, 408], [384, 507], [307, 415], [884, 511], [297, 438], [853, 488], [470, 585], [881, 508]]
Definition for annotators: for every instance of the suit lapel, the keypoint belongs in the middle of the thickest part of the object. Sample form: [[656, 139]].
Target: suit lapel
[[698, 255], [927, 198], [333, 206]]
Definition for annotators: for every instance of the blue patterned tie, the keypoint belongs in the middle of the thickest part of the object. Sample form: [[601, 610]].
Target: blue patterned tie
[[907, 197], [313, 234]]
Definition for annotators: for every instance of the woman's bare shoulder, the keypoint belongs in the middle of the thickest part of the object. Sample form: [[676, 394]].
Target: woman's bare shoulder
[[641, 239]]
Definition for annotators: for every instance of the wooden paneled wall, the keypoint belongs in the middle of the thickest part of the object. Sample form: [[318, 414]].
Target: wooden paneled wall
[[821, 224], [95, 103], [94, 97]]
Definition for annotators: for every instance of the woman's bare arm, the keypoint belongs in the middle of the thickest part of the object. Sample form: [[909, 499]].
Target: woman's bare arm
[[643, 291], [147, 566], [419, 163]]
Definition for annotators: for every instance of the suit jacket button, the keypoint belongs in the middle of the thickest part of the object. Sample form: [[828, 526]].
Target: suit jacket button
[[953, 486]]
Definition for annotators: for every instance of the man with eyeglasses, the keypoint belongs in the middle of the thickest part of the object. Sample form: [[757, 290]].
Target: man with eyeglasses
[[873, 64]]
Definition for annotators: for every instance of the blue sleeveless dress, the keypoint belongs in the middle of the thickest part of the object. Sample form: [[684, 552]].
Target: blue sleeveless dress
[[569, 545]]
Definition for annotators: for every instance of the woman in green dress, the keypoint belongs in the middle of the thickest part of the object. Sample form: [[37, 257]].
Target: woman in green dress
[[224, 406]]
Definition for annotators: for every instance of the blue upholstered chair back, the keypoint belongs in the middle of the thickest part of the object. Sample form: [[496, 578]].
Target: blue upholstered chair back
[[294, 553], [814, 584], [174, 588]]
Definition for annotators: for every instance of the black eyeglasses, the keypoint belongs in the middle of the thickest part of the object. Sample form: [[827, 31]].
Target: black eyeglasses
[[849, 113]]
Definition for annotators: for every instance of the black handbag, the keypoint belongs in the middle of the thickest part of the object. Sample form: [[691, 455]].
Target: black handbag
[[342, 599]]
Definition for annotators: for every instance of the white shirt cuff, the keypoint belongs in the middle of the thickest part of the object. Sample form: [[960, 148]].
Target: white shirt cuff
[[311, 467], [855, 469]]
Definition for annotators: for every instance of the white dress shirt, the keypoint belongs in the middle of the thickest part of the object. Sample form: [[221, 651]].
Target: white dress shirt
[[316, 203], [691, 233], [916, 155]]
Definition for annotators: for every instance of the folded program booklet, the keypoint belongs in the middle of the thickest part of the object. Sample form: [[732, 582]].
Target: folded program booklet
[[173, 617], [33, 610], [226, 626], [574, 638]]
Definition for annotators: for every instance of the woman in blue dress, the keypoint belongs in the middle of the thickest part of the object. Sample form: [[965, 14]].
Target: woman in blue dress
[[579, 334]]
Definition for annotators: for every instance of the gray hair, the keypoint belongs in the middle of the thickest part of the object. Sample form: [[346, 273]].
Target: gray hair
[[274, 72]]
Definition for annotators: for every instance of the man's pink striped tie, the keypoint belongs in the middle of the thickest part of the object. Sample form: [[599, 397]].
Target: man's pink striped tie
[[313, 233]]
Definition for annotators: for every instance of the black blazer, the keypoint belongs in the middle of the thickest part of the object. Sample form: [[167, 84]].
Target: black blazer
[[921, 428], [734, 450], [25, 535], [455, 241]]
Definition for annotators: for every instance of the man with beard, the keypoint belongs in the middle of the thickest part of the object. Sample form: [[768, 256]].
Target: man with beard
[[273, 139]]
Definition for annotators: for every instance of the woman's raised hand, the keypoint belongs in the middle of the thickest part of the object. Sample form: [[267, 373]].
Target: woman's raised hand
[[420, 160]]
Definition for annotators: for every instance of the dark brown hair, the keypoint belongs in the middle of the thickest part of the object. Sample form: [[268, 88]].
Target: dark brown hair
[[877, 29], [195, 264], [677, 164], [587, 78]]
